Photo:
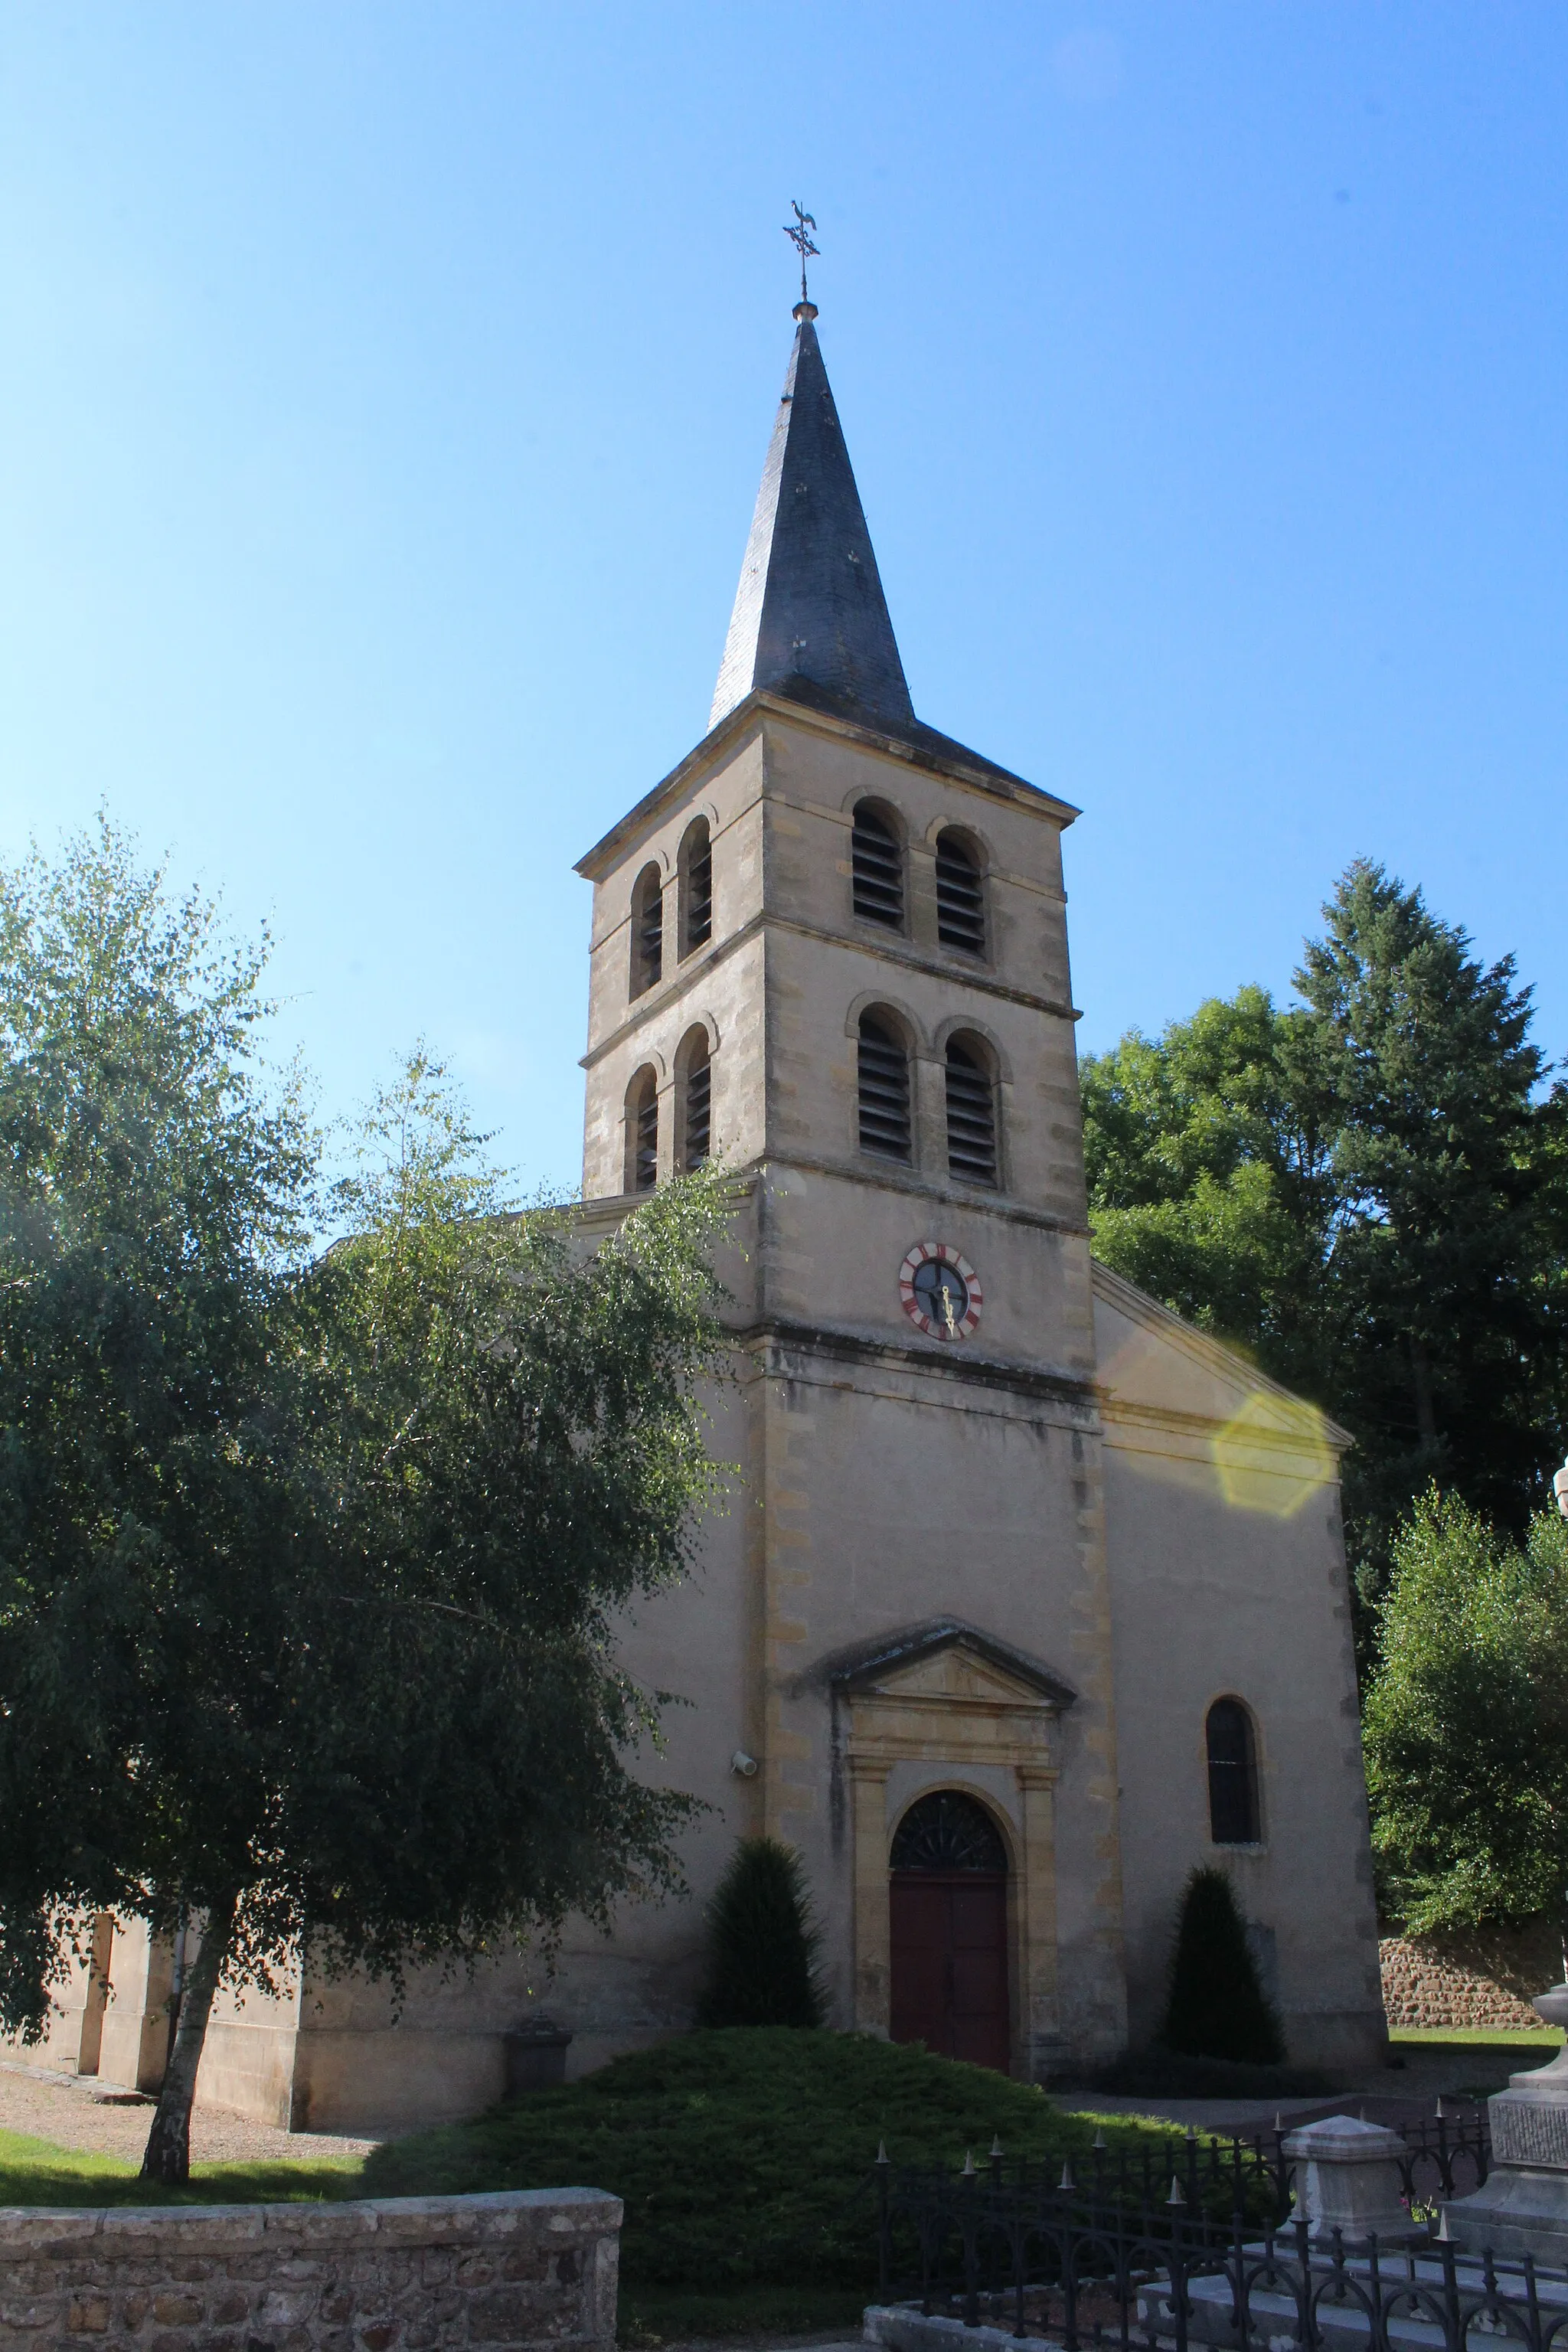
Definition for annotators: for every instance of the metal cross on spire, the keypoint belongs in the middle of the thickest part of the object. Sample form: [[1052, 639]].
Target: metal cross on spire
[[798, 232]]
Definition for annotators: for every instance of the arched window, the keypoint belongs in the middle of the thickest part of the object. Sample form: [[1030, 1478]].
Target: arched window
[[696, 887], [1233, 1774], [877, 866], [697, 1099], [647, 930], [971, 1111], [884, 1088], [959, 895], [642, 1132]]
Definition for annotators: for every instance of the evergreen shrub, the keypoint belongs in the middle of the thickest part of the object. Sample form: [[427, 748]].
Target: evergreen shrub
[[762, 1942], [1217, 2007]]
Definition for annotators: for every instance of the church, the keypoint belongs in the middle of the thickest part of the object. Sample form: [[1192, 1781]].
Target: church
[[1028, 1596]]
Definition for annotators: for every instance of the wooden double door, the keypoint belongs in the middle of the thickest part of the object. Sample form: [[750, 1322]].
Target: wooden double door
[[949, 1954]]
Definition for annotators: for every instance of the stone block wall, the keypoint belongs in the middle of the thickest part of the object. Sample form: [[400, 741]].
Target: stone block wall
[[532, 2267], [1484, 1978]]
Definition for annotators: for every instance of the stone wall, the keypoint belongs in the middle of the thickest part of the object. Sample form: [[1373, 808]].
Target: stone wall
[[1487, 1978], [399, 2274]]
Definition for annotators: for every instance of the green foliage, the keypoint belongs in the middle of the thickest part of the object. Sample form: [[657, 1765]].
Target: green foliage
[[762, 1942], [1208, 1181], [341, 1535], [1216, 2008], [1466, 1729], [1366, 1193], [743, 2156]]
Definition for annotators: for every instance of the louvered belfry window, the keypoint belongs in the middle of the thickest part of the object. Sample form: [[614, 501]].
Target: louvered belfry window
[[647, 930], [970, 1114], [884, 1076], [959, 895], [642, 1117], [876, 864], [699, 1105], [697, 871]]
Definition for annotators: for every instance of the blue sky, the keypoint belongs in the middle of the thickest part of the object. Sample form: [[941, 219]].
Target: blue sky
[[387, 386]]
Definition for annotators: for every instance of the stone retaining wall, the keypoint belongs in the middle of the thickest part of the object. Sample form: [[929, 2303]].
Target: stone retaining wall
[[1487, 1978], [530, 2267]]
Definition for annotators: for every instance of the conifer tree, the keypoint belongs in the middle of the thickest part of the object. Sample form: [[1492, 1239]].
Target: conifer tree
[[1217, 2007], [762, 1942], [1369, 1191]]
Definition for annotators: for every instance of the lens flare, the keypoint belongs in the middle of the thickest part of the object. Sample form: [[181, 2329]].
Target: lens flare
[[1270, 1464]]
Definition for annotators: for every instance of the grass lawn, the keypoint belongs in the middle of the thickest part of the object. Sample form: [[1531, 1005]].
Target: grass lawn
[[1479, 2037], [37, 2172]]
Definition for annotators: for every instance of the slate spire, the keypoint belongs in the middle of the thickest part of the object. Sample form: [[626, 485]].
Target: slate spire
[[809, 610]]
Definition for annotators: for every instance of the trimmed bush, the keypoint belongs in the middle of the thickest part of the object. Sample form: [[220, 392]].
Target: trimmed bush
[[1217, 2007], [762, 1942], [745, 2157]]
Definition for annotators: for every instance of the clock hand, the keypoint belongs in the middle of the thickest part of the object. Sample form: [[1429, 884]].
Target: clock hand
[[947, 1311]]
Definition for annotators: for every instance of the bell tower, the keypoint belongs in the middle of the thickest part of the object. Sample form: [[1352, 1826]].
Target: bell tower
[[829, 948]]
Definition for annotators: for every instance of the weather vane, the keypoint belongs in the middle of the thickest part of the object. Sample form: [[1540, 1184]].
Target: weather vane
[[798, 232]]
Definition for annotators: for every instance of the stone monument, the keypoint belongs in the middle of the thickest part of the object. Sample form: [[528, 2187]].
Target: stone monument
[[1349, 2179], [1521, 2207]]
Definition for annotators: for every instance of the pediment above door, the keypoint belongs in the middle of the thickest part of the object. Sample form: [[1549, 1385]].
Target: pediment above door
[[947, 1690]]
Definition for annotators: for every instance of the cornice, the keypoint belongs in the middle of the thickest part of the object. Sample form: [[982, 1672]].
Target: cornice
[[911, 959], [1225, 1363], [605, 853], [973, 1201], [930, 1361]]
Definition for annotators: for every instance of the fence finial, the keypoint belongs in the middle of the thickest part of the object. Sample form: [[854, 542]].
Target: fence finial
[[996, 2143], [1066, 2180], [881, 2151], [1175, 2197], [968, 2163]]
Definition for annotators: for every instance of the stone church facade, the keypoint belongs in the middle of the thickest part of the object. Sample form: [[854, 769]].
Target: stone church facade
[[1028, 1597]]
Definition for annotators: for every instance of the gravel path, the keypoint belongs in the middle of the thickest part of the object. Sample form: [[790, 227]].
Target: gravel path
[[74, 2111]]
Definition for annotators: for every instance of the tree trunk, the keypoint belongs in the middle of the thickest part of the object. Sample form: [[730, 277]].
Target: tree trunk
[[168, 2156]]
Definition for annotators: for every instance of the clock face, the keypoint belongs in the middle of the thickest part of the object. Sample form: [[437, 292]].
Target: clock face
[[941, 1291]]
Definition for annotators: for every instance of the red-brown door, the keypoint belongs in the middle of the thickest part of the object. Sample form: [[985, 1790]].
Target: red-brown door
[[950, 1963]]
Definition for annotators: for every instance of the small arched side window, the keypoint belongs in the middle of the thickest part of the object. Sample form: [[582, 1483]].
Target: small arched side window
[[884, 1088], [642, 1132], [876, 868], [1233, 1774], [696, 1100], [971, 1111], [959, 895], [647, 930], [696, 887]]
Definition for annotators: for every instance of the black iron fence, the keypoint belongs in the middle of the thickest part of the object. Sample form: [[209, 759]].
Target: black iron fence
[[1197, 2244]]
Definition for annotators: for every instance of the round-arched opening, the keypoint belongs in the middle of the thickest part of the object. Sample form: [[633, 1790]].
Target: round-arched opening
[[642, 1132], [877, 866], [696, 887], [1233, 1774], [883, 1087], [947, 1906], [647, 930], [960, 895], [695, 1071], [971, 1087]]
